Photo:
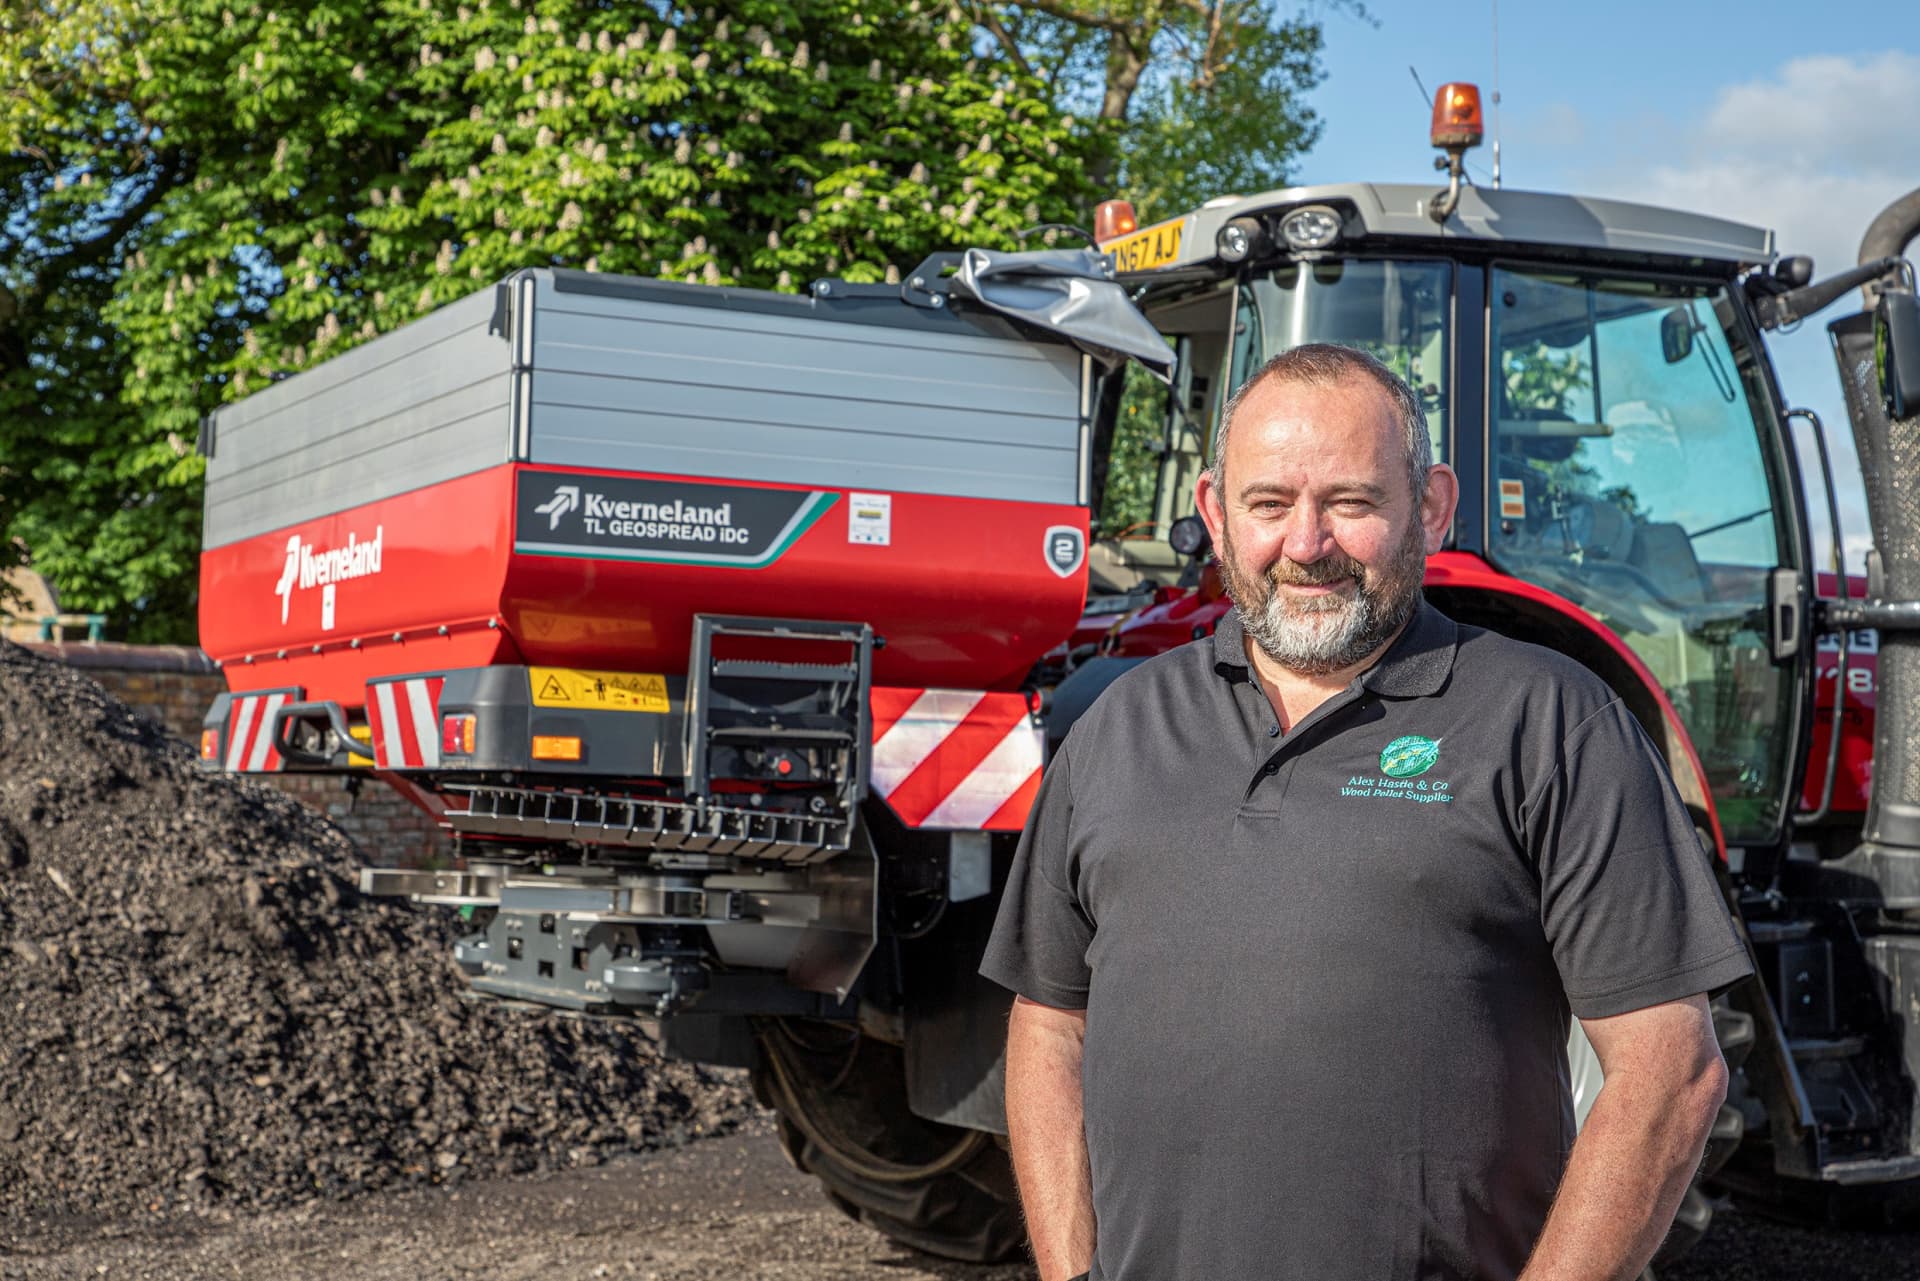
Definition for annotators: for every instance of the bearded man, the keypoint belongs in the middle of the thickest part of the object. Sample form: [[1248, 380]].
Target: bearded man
[[1303, 909]]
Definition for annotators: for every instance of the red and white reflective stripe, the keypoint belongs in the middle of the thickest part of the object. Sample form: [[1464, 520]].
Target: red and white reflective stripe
[[250, 731], [956, 758], [404, 717]]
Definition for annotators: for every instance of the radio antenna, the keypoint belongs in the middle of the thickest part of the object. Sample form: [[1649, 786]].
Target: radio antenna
[[1496, 95]]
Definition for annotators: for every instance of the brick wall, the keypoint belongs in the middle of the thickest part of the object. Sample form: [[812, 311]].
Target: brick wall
[[174, 685]]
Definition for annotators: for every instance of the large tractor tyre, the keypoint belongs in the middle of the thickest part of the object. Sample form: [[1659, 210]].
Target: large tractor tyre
[[841, 1102], [1734, 1031]]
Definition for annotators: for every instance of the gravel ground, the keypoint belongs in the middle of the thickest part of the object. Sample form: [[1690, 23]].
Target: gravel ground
[[723, 1208]]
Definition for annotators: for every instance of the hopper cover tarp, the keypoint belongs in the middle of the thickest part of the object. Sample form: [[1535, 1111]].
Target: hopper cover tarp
[[1070, 292]]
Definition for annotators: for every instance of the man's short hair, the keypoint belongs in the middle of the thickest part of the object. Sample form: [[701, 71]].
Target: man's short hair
[[1322, 364]]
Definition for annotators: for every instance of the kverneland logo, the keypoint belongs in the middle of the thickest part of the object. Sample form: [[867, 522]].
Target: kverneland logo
[[309, 566]]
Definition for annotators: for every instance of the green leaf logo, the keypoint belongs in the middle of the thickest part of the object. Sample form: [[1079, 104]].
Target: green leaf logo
[[1409, 757]]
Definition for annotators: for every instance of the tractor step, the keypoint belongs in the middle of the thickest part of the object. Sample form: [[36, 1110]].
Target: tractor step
[[653, 823]]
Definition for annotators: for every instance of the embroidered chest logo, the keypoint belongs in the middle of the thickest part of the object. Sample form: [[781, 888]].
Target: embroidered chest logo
[[1409, 757], [1403, 763]]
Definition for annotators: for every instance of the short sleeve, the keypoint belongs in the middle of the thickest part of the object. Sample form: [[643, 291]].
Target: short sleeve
[[1628, 897], [1040, 938]]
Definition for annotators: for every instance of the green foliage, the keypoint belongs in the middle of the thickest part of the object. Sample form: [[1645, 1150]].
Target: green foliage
[[1237, 129], [1539, 378], [1205, 97], [202, 195], [1133, 467]]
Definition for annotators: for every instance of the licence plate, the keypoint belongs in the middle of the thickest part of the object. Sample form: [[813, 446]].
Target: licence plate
[[1150, 247]]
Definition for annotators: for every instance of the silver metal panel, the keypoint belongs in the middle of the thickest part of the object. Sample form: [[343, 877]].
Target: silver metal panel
[[423, 404], [643, 385]]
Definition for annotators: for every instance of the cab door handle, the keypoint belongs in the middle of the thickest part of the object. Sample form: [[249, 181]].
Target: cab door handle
[[1786, 614]]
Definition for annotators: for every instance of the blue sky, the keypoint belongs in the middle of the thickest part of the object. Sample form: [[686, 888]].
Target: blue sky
[[1800, 117]]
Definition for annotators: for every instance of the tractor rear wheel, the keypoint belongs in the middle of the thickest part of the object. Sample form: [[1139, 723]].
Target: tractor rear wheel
[[841, 1102]]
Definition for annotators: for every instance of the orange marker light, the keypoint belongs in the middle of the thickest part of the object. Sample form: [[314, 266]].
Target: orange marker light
[[556, 747], [1113, 219], [209, 743], [1456, 116]]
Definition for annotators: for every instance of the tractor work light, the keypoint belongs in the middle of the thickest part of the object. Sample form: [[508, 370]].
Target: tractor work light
[[1113, 219], [1310, 227], [556, 747], [1236, 240], [457, 734], [1456, 116]]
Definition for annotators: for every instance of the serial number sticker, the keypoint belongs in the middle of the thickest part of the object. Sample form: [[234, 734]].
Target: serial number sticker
[[870, 519], [1150, 247], [599, 691]]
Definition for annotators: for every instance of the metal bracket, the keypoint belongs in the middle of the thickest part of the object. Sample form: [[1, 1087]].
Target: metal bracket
[[452, 889], [1441, 205], [336, 720], [923, 287], [1884, 615], [848, 683]]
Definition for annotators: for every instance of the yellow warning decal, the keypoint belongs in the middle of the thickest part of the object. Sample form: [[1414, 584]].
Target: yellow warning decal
[[598, 691]]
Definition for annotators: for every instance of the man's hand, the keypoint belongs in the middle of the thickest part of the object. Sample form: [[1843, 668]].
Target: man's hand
[[1045, 1125], [1665, 1081]]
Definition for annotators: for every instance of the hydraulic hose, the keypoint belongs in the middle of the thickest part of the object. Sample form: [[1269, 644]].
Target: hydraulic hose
[[1888, 235]]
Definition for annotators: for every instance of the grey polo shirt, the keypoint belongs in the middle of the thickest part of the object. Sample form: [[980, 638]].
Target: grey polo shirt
[[1328, 974]]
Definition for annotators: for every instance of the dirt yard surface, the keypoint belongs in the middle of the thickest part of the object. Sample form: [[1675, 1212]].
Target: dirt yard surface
[[727, 1207], [721, 1208]]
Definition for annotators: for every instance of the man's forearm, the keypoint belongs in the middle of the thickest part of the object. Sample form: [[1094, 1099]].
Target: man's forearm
[[1629, 1169], [1045, 1127]]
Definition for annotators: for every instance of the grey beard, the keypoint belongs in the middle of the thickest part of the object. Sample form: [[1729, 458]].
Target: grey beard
[[1319, 642], [1320, 637]]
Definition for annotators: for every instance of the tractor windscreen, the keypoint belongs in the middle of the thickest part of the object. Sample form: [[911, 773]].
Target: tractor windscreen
[[1397, 310], [1629, 475]]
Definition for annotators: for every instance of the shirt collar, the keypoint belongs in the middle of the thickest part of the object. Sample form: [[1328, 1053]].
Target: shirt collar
[[1417, 664]]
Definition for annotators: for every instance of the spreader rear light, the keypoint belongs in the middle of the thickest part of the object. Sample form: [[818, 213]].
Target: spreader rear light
[[457, 734], [556, 747], [209, 744]]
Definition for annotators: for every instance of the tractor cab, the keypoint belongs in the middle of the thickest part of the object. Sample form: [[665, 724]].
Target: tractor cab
[[1593, 372], [1630, 495]]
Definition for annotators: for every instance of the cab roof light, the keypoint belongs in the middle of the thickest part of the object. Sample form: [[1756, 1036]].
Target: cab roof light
[[556, 747], [1456, 116], [1237, 240], [1113, 219], [1310, 227]]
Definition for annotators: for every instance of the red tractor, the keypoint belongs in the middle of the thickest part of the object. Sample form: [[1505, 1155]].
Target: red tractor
[[725, 630]]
